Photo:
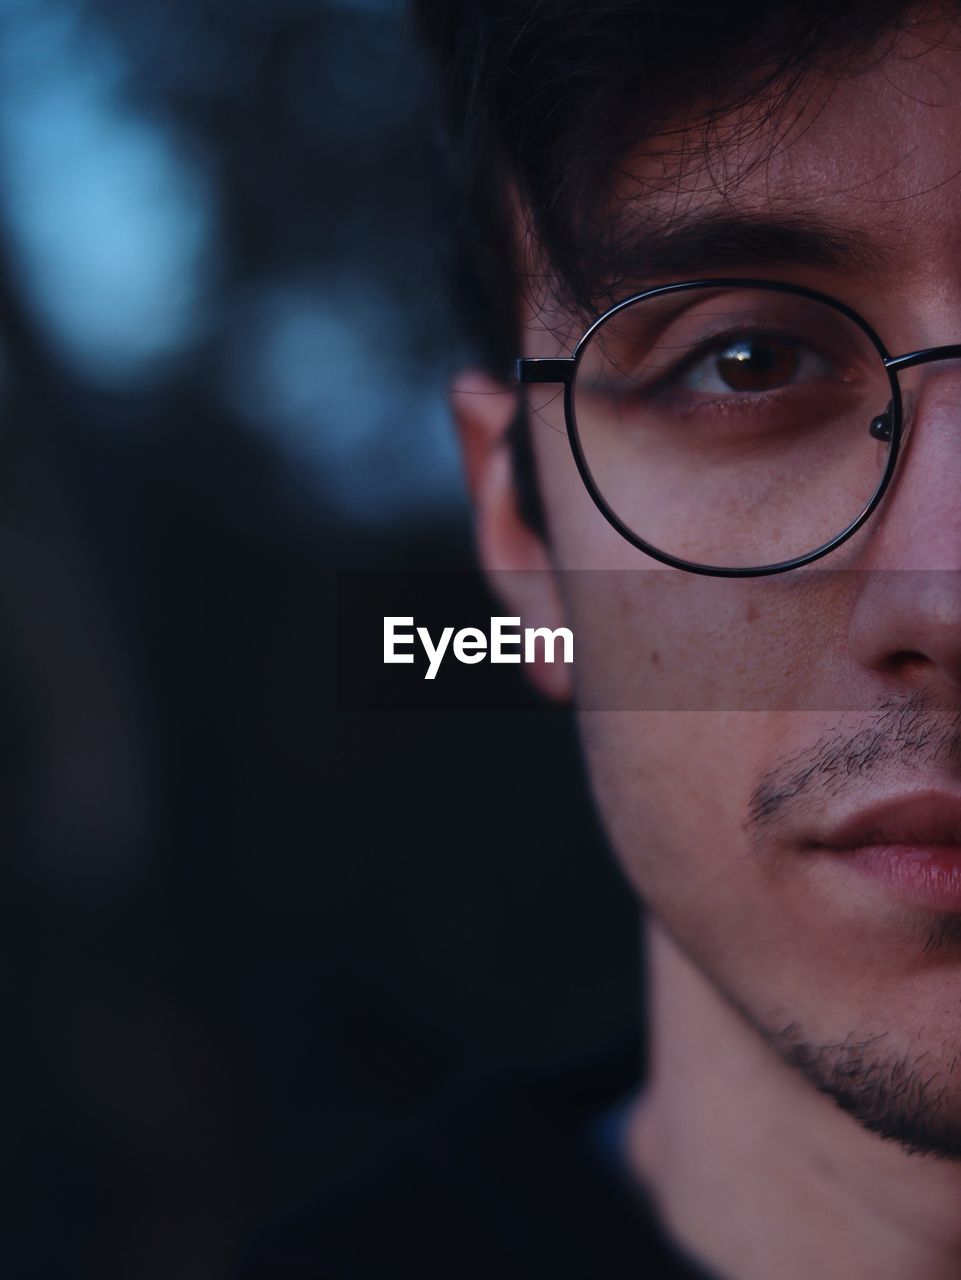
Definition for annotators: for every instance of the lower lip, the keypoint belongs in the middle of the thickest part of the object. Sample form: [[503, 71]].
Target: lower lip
[[926, 875]]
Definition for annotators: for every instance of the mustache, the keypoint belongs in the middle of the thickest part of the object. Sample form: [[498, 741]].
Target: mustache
[[904, 734]]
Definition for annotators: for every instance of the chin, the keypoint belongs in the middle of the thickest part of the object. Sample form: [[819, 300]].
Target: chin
[[909, 1096]]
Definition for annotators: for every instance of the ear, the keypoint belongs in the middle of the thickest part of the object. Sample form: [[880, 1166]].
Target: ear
[[514, 557]]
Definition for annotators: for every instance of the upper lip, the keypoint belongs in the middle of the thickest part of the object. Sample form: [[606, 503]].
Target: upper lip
[[927, 818]]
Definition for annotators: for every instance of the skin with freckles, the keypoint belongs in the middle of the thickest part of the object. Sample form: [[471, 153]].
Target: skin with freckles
[[785, 979]]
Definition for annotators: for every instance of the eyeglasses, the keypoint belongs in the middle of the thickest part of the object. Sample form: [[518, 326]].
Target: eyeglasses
[[733, 427]]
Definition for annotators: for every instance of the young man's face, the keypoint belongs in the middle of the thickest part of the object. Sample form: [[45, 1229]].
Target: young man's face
[[842, 945]]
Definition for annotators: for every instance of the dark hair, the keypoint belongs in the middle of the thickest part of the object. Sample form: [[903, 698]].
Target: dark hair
[[545, 98]]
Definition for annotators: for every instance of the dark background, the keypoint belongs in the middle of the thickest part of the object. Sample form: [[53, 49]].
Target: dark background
[[248, 937]]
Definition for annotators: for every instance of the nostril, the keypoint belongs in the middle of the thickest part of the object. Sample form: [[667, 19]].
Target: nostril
[[908, 662]]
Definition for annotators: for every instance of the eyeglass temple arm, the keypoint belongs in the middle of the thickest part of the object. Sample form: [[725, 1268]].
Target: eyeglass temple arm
[[538, 369]]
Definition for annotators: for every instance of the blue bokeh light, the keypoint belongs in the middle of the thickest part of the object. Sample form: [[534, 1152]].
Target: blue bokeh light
[[109, 220]]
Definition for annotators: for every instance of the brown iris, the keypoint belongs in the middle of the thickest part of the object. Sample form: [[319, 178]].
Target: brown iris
[[757, 364]]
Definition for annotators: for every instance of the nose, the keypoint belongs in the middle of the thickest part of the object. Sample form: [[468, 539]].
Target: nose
[[906, 626], [906, 619]]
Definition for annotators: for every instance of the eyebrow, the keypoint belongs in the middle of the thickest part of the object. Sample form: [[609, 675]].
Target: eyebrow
[[712, 241]]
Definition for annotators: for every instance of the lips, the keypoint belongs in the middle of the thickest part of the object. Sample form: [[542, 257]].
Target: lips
[[909, 845], [922, 820]]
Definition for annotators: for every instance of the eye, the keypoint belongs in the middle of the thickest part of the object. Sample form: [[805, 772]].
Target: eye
[[753, 363]]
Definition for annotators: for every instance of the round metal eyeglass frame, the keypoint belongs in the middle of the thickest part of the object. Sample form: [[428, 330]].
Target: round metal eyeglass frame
[[887, 426]]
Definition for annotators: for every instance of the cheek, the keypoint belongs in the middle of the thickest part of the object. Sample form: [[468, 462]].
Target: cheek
[[664, 640], [673, 790], [679, 681], [670, 787]]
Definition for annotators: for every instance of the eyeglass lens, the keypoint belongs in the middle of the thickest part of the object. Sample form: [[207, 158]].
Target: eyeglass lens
[[732, 427]]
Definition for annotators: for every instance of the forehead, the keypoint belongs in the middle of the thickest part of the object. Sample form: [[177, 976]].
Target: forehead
[[875, 152]]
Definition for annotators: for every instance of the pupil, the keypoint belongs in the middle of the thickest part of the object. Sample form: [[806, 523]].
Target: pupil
[[757, 364]]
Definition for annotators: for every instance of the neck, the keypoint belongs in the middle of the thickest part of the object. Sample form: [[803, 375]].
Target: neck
[[758, 1175]]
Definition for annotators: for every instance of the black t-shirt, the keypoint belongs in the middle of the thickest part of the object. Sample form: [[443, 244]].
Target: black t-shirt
[[520, 1178]]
